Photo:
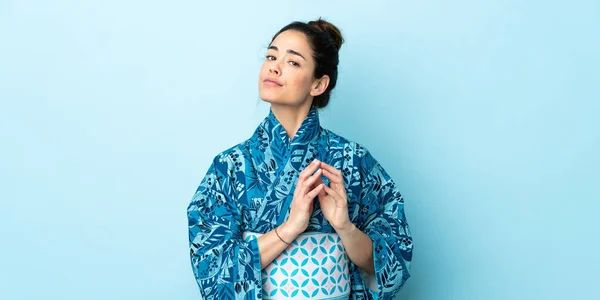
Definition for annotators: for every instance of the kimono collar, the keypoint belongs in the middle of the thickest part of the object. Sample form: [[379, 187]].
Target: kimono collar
[[271, 129]]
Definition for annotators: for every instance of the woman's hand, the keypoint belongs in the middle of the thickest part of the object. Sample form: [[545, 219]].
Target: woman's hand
[[333, 199], [302, 204]]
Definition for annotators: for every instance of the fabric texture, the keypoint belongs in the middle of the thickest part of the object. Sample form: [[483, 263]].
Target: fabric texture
[[314, 266], [250, 186]]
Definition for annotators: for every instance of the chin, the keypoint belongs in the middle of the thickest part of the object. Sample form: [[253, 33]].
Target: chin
[[267, 99], [270, 98], [276, 98]]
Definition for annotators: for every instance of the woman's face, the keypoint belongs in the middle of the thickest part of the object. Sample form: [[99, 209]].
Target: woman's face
[[286, 76]]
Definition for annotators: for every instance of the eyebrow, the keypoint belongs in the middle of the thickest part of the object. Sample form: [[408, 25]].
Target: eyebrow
[[289, 51]]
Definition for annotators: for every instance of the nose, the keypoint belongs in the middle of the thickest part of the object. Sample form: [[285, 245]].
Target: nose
[[274, 68]]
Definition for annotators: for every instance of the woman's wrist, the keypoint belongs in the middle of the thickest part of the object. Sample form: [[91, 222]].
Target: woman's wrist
[[346, 231], [287, 233]]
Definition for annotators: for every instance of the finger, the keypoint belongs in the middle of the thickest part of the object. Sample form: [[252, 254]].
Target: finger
[[339, 200], [308, 183], [331, 192], [330, 168], [317, 182], [309, 170], [319, 179], [325, 199], [312, 194], [322, 193], [333, 177]]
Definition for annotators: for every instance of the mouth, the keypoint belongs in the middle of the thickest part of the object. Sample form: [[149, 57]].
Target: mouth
[[271, 82]]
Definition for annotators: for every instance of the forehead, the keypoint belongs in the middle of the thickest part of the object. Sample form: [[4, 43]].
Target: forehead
[[294, 40]]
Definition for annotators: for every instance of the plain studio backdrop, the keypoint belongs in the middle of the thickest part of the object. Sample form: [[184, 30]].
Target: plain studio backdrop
[[485, 114]]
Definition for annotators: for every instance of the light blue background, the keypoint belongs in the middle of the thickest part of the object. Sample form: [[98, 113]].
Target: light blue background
[[485, 114]]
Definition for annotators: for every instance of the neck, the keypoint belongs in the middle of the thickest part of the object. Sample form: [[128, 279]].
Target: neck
[[291, 117]]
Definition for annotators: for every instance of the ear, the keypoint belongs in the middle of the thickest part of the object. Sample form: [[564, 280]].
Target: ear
[[319, 86]]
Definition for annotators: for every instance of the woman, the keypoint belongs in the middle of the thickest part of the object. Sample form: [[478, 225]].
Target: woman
[[293, 176]]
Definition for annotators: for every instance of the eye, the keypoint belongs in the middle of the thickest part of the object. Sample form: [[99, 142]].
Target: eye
[[270, 57], [293, 63]]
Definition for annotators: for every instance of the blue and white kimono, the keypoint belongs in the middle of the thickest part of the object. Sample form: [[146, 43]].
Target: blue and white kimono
[[249, 187]]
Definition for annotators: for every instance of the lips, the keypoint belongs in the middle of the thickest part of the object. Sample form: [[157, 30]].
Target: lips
[[272, 82]]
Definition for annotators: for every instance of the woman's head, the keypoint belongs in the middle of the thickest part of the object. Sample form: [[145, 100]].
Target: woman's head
[[301, 64]]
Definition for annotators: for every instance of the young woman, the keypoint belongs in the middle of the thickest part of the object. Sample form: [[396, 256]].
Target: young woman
[[293, 177]]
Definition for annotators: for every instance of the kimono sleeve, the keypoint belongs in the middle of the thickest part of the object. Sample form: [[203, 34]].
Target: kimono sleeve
[[225, 266], [385, 223]]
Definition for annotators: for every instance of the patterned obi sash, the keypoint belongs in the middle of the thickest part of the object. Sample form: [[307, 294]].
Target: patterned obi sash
[[314, 266]]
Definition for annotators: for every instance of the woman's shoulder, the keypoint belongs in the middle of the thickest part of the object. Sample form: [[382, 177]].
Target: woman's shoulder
[[231, 158]]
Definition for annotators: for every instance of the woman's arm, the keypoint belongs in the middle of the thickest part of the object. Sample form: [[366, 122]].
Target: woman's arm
[[225, 266], [334, 205], [270, 244], [358, 246], [384, 221], [380, 243]]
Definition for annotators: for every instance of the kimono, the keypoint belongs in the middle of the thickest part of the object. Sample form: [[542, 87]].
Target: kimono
[[250, 186]]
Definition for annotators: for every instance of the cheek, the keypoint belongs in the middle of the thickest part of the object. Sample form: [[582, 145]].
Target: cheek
[[263, 69], [302, 83]]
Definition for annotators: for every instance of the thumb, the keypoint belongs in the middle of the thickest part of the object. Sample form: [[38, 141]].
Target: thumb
[[322, 193]]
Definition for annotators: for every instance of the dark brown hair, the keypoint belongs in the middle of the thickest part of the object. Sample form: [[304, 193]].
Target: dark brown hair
[[325, 39]]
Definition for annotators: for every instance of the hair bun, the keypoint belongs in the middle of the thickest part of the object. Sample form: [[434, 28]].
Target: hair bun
[[335, 33]]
